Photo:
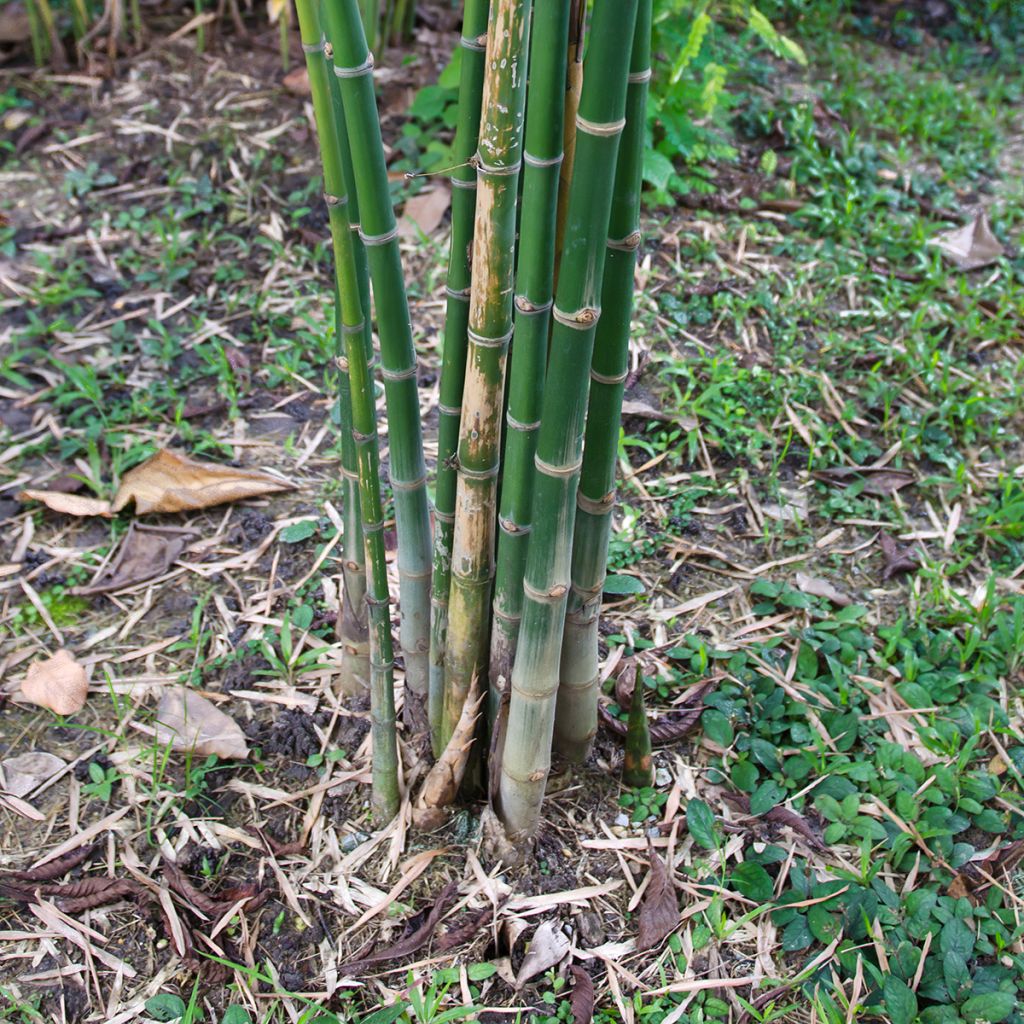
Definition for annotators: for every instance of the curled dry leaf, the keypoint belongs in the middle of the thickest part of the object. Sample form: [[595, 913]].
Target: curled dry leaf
[[22, 774], [68, 504], [817, 587], [671, 726], [169, 482], [971, 246], [582, 1000], [188, 721], [548, 948], [897, 559], [144, 553], [58, 683], [659, 909], [625, 683]]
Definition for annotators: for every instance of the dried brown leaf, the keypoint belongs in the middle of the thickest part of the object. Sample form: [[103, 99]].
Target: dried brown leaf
[[897, 559], [879, 481], [424, 212], [781, 816], [625, 683], [188, 721], [659, 909], [582, 1000], [68, 504], [818, 587], [22, 774], [464, 930], [58, 683], [169, 482], [145, 552], [549, 946], [58, 867], [412, 942], [195, 898], [971, 246]]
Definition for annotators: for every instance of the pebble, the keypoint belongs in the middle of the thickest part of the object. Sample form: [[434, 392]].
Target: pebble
[[352, 840], [654, 833], [662, 777], [622, 820]]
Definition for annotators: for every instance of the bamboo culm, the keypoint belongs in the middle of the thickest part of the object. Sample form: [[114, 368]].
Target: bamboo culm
[[499, 157], [350, 274], [453, 357], [353, 66], [542, 158], [534, 684], [576, 714], [352, 631]]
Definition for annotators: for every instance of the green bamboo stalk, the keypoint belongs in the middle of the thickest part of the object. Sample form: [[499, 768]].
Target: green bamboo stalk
[[576, 715], [499, 157], [534, 287], [350, 274], [534, 684], [573, 88], [378, 230], [371, 14], [352, 628], [453, 358]]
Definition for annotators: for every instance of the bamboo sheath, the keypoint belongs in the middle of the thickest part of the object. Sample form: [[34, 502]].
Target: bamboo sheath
[[499, 157], [353, 65], [542, 159], [453, 358], [534, 683], [354, 676], [350, 276], [576, 715]]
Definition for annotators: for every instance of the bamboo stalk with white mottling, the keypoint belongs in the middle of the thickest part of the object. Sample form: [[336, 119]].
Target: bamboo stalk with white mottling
[[499, 157], [473, 44]]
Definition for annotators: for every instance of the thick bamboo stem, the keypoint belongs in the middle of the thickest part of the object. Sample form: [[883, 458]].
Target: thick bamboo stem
[[576, 715], [499, 157], [453, 359], [573, 89], [352, 630], [350, 274], [353, 66], [534, 684], [534, 286]]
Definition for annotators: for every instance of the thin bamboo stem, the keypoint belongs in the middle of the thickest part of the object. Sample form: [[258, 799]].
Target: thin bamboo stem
[[350, 276], [534, 287], [534, 684], [499, 157], [352, 629], [576, 715], [453, 359], [353, 66]]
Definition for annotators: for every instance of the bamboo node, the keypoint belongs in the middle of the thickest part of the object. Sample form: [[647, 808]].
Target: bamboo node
[[602, 130], [408, 485], [526, 307], [579, 320], [596, 506], [478, 45], [628, 244], [639, 77], [497, 170], [333, 200], [388, 236], [604, 378], [550, 596], [458, 294], [485, 342], [399, 375], [315, 47], [511, 527], [542, 161], [360, 69], [563, 471], [514, 424]]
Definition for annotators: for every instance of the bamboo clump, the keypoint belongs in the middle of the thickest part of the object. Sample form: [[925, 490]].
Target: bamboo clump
[[502, 595]]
